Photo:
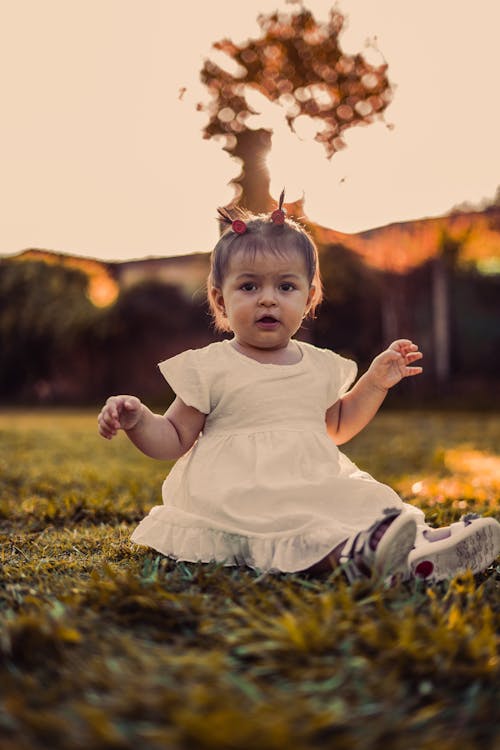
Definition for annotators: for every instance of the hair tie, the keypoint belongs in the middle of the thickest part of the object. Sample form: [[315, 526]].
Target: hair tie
[[237, 225], [278, 216]]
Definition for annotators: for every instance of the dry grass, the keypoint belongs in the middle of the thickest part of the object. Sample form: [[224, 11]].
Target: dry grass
[[104, 644]]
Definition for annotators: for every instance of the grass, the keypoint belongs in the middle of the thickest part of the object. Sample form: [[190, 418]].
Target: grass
[[104, 644]]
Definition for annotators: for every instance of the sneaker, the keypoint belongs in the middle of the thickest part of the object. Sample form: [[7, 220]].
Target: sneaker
[[363, 555], [472, 544]]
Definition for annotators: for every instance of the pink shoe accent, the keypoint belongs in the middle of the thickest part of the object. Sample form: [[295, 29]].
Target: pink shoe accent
[[424, 569]]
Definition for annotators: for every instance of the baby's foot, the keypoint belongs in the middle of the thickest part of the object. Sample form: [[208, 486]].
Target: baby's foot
[[471, 544], [382, 550]]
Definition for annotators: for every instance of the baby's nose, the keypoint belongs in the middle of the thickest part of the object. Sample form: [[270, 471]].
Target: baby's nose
[[268, 296]]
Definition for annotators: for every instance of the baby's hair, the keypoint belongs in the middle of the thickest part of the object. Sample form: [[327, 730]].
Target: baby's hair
[[253, 233]]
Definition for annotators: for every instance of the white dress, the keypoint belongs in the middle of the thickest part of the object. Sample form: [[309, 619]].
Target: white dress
[[264, 485]]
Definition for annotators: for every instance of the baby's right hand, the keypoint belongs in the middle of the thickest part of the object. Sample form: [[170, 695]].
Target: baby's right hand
[[119, 413]]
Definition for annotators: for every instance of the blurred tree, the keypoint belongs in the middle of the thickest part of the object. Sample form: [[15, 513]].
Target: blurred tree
[[297, 62], [153, 319], [444, 267], [496, 199], [44, 313], [350, 317], [154, 308]]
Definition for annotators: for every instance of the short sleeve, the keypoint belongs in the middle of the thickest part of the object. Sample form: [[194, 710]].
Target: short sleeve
[[188, 379], [342, 373]]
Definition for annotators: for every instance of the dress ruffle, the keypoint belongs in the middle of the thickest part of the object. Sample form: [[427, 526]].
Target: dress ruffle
[[288, 553]]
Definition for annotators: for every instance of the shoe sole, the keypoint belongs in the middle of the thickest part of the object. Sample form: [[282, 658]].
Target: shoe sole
[[391, 554], [474, 548]]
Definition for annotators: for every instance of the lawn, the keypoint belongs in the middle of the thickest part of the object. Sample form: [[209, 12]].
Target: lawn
[[104, 644]]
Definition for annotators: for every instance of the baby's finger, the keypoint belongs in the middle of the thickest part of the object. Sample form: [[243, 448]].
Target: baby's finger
[[400, 345], [409, 371], [112, 405], [109, 422], [408, 349], [105, 431], [414, 356], [106, 415]]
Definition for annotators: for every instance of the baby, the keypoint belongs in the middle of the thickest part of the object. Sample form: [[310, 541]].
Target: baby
[[256, 424]]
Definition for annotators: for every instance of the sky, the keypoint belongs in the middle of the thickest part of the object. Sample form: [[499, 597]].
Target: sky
[[101, 150]]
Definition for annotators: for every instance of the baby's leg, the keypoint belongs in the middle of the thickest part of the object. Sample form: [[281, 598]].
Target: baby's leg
[[327, 563], [470, 544], [372, 536]]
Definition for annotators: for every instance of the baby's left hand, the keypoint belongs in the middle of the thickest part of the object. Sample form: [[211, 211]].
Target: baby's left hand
[[391, 366]]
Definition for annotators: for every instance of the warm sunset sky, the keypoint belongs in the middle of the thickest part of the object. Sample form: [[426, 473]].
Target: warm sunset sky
[[101, 155]]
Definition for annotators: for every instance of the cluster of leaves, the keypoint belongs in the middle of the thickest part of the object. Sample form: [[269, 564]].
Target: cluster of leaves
[[297, 62], [107, 645]]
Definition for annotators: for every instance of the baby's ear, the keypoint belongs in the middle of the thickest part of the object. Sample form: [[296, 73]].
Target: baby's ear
[[218, 299], [312, 291]]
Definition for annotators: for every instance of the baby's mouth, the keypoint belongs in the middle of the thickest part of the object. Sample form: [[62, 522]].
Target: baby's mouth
[[268, 321]]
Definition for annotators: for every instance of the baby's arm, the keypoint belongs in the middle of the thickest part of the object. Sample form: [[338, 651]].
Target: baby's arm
[[357, 408], [166, 437]]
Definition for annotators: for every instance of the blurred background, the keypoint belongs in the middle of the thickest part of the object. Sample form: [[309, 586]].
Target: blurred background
[[125, 125]]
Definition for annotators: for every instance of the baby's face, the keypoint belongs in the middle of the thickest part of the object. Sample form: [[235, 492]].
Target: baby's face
[[265, 298]]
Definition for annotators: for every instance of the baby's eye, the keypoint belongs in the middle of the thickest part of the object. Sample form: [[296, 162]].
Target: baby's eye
[[248, 286], [286, 286]]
